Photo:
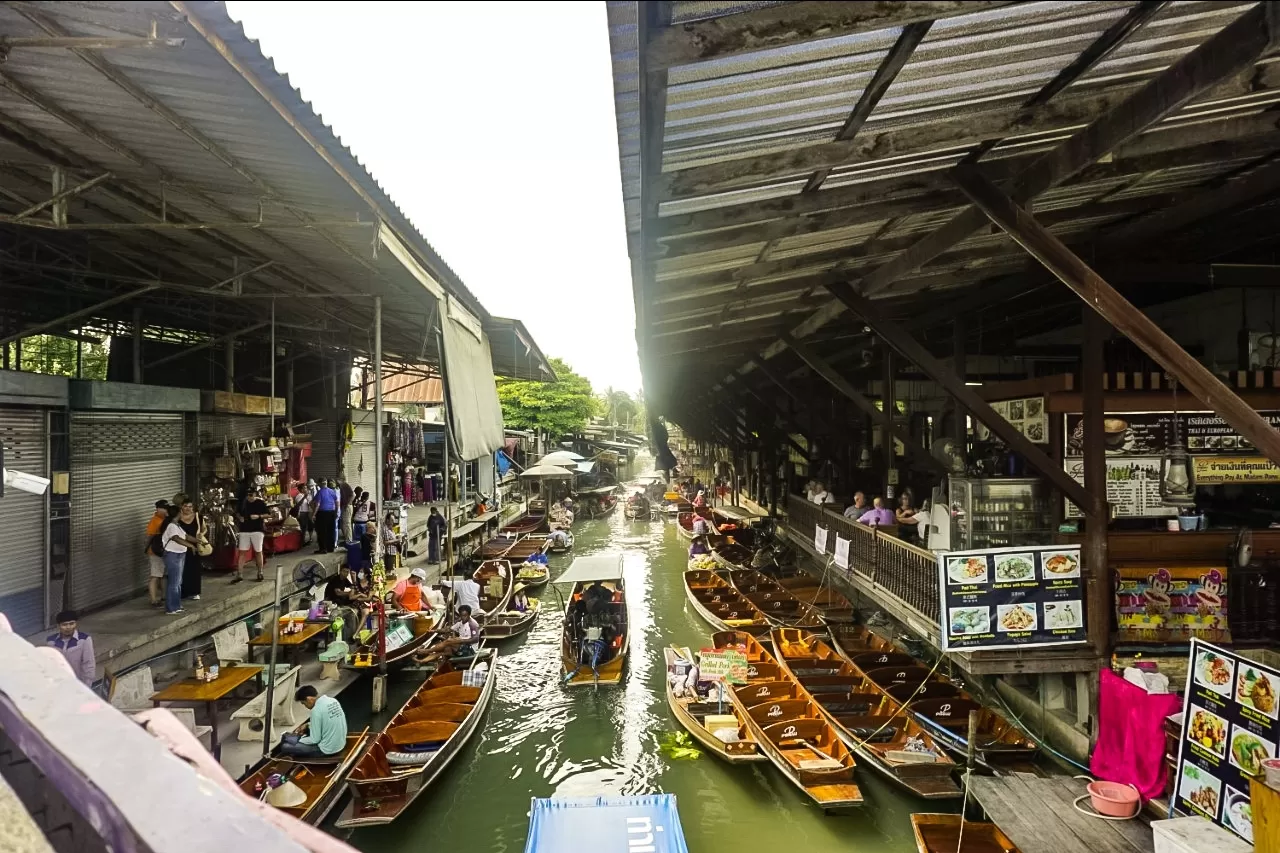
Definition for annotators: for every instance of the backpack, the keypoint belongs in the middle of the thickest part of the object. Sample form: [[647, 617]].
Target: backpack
[[155, 545]]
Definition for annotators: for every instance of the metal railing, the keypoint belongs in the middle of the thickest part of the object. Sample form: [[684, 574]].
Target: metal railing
[[904, 571]]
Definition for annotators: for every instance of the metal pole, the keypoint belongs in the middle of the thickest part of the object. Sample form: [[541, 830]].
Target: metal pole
[[271, 408], [448, 480], [229, 363], [137, 345], [271, 670], [79, 358], [377, 444]]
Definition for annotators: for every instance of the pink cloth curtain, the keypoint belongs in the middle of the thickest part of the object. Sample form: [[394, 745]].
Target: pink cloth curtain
[[1131, 743]]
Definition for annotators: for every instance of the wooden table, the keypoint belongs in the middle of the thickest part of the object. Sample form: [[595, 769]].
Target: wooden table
[[190, 691], [293, 643], [1038, 816]]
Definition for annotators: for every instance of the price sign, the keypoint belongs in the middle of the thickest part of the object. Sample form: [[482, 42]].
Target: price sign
[[722, 665], [820, 540], [842, 552]]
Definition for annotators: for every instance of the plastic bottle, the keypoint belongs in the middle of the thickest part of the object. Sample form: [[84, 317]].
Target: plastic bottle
[[199, 667]]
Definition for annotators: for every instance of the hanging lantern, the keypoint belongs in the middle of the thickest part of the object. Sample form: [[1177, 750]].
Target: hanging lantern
[[864, 457], [1176, 486]]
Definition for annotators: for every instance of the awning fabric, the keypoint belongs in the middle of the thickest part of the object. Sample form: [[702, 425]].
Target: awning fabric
[[598, 567], [474, 412], [613, 824]]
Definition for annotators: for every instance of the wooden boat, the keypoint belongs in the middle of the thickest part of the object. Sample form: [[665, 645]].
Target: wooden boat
[[722, 606], [941, 833], [638, 507], [833, 606], [497, 548], [684, 524], [775, 601], [530, 544], [418, 743], [533, 575], [320, 779], [599, 508], [869, 721], [582, 631], [497, 581], [406, 635], [532, 521], [554, 548], [790, 728], [511, 623], [700, 719], [732, 555], [673, 503], [939, 705]]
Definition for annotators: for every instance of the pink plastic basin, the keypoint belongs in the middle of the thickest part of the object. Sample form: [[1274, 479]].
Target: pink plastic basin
[[1113, 799]]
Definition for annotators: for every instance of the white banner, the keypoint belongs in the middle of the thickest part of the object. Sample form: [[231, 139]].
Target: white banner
[[820, 540], [842, 552]]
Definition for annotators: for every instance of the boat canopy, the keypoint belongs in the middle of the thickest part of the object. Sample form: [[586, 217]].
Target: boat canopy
[[596, 490], [597, 567], [737, 513], [548, 471], [648, 822]]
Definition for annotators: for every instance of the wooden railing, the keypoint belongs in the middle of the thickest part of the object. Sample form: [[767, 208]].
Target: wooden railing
[[908, 573]]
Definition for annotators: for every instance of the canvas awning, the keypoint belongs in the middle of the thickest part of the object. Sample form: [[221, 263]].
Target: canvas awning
[[474, 412], [612, 823], [597, 567]]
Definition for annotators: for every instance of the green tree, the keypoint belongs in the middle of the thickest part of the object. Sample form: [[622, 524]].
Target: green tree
[[559, 407], [57, 355]]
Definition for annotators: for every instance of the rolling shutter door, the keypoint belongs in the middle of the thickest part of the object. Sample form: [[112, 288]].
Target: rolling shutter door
[[121, 464], [323, 464], [23, 521], [361, 466]]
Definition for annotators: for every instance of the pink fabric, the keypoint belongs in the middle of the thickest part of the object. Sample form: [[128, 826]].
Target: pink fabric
[[1131, 743]]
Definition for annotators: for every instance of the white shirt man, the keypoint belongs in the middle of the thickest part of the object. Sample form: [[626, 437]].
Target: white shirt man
[[466, 593]]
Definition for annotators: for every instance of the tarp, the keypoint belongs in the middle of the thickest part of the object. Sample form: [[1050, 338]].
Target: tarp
[[474, 412], [503, 463], [642, 824], [598, 567]]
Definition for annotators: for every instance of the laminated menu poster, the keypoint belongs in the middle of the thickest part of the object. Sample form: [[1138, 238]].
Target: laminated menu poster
[[1230, 728], [1011, 598]]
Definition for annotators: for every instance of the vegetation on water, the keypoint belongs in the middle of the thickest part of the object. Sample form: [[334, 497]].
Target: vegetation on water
[[678, 746], [559, 407]]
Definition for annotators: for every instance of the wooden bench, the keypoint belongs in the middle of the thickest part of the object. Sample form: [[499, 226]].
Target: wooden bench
[[131, 693], [252, 715]]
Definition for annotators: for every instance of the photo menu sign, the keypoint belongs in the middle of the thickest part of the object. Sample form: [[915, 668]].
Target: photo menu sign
[[1230, 727], [1011, 598]]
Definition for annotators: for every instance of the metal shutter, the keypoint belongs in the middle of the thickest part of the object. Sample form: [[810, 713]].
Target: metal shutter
[[323, 464], [217, 429], [361, 466], [23, 520], [121, 464]]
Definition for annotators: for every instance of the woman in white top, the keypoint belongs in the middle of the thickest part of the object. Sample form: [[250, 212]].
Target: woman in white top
[[360, 511], [176, 546]]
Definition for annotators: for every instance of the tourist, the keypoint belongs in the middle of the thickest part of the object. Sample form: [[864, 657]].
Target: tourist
[[821, 496], [435, 533], [76, 646], [191, 568], [326, 511], [596, 597], [177, 544], [348, 495], [467, 630], [302, 503], [858, 507], [879, 515], [906, 513], [252, 535], [810, 489], [360, 512], [342, 590], [466, 593], [154, 549], [408, 593], [324, 733]]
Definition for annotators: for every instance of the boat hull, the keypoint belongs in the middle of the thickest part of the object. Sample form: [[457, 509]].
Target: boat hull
[[319, 804], [745, 752], [942, 833]]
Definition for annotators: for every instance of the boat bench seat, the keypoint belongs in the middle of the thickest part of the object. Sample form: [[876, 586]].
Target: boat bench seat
[[253, 713]]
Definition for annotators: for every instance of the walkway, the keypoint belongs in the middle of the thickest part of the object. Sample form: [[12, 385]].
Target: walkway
[[1038, 816]]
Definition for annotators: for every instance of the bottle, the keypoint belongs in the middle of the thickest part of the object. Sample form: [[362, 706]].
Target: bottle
[[199, 667]]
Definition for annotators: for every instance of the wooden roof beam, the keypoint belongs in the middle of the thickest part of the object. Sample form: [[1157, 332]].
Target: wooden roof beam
[[1116, 310], [790, 24]]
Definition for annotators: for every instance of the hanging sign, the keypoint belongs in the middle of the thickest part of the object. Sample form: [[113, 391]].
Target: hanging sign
[[1133, 486], [723, 665], [1171, 605], [820, 540], [842, 552], [1230, 726], [1222, 470], [1151, 433], [1011, 598]]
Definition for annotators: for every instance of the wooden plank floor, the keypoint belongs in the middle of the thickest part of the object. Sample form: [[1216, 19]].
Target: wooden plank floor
[[1038, 816]]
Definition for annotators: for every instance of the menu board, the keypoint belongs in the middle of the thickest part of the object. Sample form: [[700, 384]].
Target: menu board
[[1011, 598], [1028, 415], [1133, 486], [1151, 433], [1230, 713], [1171, 605]]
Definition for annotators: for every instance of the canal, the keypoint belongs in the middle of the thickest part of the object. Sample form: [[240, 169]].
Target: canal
[[540, 740]]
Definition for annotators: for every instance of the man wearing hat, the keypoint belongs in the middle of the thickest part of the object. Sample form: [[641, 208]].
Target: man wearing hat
[[76, 646], [408, 593], [154, 549]]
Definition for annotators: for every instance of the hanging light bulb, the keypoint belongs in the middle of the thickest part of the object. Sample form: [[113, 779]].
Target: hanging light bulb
[[1176, 488]]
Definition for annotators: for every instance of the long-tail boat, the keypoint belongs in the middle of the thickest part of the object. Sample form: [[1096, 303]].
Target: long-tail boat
[[593, 646], [532, 521], [833, 606], [940, 705], [497, 580], [704, 719], [951, 833], [722, 606], [419, 742], [874, 725], [775, 601], [790, 728], [684, 524], [320, 778]]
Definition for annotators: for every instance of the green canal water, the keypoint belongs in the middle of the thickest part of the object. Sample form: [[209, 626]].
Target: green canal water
[[540, 740]]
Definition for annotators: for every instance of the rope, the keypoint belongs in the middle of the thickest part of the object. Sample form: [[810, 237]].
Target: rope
[[903, 711]]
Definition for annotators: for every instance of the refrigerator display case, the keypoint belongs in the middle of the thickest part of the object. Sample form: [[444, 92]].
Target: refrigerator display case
[[999, 513]]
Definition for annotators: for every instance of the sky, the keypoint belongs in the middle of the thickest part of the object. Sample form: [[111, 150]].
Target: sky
[[492, 126]]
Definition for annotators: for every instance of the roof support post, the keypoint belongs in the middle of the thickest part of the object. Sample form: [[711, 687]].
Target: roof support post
[[1098, 586], [913, 351], [137, 345], [1118, 311], [838, 382], [888, 405]]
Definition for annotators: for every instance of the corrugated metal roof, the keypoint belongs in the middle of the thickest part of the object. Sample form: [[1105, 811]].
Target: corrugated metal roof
[[729, 239]]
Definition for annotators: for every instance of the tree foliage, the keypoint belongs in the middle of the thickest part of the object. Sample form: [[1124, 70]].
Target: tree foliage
[[57, 355], [619, 407], [559, 407]]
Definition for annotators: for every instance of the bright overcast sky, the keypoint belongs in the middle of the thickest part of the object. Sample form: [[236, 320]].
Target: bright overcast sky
[[492, 126]]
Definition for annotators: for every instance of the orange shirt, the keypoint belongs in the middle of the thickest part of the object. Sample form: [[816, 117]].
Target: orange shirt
[[156, 524]]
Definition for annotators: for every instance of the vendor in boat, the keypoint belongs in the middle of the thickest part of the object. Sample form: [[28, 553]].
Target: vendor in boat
[[560, 537], [325, 733], [703, 525], [520, 600], [466, 593], [699, 547], [700, 499], [408, 594]]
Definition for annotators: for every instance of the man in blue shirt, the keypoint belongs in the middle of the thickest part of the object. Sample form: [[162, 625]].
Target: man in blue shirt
[[326, 510], [326, 731]]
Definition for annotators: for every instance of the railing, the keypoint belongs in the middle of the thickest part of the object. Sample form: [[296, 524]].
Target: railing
[[902, 570]]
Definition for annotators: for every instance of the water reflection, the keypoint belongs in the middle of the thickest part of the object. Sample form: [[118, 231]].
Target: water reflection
[[542, 740]]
